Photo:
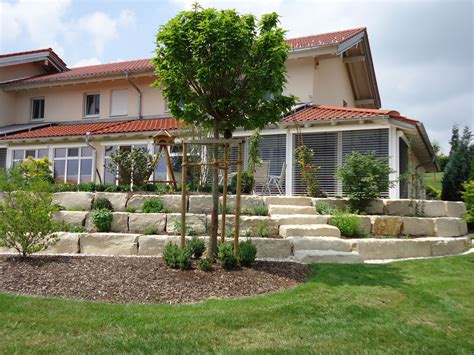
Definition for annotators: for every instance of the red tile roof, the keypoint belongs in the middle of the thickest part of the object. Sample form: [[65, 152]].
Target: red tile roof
[[50, 50], [324, 39], [98, 128], [327, 113]]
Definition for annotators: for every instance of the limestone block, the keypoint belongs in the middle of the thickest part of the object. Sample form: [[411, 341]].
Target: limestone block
[[432, 208], [376, 207], [301, 219], [447, 227], [247, 202], [338, 203], [400, 207], [287, 200], [120, 222], [365, 224], [320, 243], [386, 225], [309, 230], [137, 222], [290, 210], [170, 202], [109, 244], [393, 248], [68, 243], [117, 199], [253, 224], [200, 204], [462, 226], [154, 244], [4, 250], [229, 224], [418, 226], [455, 209], [448, 246], [74, 200], [197, 223], [272, 248], [327, 256], [74, 218]]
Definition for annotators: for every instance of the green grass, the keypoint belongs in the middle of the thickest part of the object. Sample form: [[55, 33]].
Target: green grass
[[405, 307], [434, 180]]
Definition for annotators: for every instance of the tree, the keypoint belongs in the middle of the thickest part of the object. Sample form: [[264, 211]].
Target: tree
[[458, 169], [134, 167], [222, 70], [440, 157]]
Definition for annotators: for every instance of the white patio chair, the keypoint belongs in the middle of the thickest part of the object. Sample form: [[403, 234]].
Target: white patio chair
[[261, 177], [278, 180]]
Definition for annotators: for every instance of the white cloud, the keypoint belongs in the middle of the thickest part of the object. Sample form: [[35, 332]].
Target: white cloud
[[101, 27], [86, 62], [255, 7]]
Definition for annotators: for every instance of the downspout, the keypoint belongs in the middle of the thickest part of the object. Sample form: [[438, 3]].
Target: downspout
[[139, 95], [88, 135]]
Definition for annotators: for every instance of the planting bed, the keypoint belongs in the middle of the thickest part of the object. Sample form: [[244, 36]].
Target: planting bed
[[139, 280]]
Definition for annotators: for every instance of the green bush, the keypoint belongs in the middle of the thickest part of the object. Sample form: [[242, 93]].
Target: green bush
[[86, 187], [102, 203], [177, 228], [324, 208], [153, 205], [364, 178], [263, 230], [102, 219], [205, 264], [348, 224], [111, 188], [246, 183], [432, 192], [176, 258], [261, 210], [131, 209], [247, 253], [66, 187], [150, 230], [196, 247], [71, 228], [468, 196], [225, 253]]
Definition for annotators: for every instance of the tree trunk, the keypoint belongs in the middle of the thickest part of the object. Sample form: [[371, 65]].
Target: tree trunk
[[212, 249]]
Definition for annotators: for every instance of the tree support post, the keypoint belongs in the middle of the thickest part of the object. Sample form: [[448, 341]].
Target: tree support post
[[182, 240], [237, 199], [224, 192]]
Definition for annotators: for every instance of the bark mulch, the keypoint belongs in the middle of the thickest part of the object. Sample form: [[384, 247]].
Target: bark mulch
[[139, 280]]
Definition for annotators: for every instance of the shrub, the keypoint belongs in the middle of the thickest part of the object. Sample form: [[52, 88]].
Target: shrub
[[324, 208], [150, 230], [247, 253], [304, 159], [86, 187], [261, 210], [37, 168], [205, 264], [176, 258], [468, 196], [26, 217], [196, 247], [225, 253], [364, 178], [111, 188], [133, 166], [102, 219], [131, 209], [102, 203], [177, 228], [246, 183], [71, 228], [153, 205], [432, 192], [66, 187], [162, 188], [263, 230], [348, 224]]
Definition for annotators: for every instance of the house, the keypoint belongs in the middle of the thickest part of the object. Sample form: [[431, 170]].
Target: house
[[78, 117]]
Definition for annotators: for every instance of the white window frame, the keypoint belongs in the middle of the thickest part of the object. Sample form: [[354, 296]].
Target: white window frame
[[11, 160], [93, 93], [32, 108], [79, 158]]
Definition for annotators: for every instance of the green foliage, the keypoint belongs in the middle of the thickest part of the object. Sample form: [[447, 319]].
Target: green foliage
[[263, 230], [150, 230], [71, 228], [66, 187], [324, 208], [77, 209], [37, 168], [247, 253], [468, 197], [254, 159], [225, 253], [131, 209], [348, 224], [162, 188], [205, 264], [87, 187], [458, 168], [102, 203], [432, 192], [153, 205], [176, 258], [26, 212], [196, 247], [134, 167], [261, 210], [364, 178], [177, 228], [247, 183], [304, 158], [102, 219]]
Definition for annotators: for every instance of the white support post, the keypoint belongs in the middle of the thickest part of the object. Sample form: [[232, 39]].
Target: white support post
[[289, 163], [394, 156]]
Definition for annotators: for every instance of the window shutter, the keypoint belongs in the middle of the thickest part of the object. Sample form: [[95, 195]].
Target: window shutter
[[3, 158], [119, 102]]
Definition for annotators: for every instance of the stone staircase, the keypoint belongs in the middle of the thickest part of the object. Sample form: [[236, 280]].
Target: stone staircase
[[309, 230]]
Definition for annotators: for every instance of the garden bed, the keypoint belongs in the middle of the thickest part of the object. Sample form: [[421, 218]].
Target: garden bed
[[140, 280]]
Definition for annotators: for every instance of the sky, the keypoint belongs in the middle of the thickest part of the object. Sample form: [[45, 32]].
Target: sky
[[422, 50]]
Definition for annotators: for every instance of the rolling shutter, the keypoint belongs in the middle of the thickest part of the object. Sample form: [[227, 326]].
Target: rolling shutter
[[273, 149], [3, 158]]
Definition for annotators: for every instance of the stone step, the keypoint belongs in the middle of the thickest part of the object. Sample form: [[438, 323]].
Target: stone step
[[309, 230], [291, 210], [288, 200], [284, 219], [327, 256]]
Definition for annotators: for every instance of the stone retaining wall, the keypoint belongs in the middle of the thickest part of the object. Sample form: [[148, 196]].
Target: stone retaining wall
[[202, 203]]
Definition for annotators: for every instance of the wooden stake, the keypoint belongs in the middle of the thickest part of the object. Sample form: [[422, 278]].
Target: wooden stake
[[182, 241], [224, 192], [237, 200]]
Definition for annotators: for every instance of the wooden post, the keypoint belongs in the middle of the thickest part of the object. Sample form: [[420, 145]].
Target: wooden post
[[182, 240], [224, 192], [237, 199]]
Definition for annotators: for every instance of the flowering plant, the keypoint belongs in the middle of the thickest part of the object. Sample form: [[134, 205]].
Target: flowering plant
[[308, 171]]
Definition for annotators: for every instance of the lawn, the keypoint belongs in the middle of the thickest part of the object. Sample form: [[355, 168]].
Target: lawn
[[434, 180], [410, 306]]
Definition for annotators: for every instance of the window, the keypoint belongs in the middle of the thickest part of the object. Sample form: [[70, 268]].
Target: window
[[92, 105], [119, 103], [73, 165], [37, 109], [21, 154], [110, 174]]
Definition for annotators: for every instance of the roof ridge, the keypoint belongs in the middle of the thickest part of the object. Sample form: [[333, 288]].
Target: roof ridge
[[119, 62], [326, 33], [357, 109]]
